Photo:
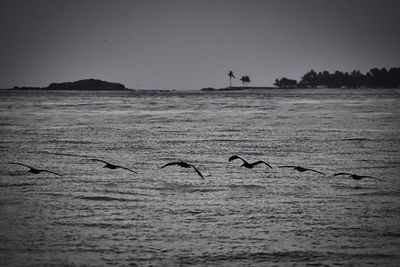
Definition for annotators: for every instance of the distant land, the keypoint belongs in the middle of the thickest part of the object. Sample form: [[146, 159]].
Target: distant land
[[375, 78], [81, 85]]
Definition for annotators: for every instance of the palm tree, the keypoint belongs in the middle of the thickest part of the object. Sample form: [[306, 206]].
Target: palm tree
[[247, 79], [243, 80], [231, 75]]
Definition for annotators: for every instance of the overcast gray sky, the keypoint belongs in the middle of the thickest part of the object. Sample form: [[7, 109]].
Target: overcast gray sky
[[190, 44]]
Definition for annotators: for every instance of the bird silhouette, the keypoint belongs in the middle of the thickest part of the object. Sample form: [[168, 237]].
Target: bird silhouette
[[301, 169], [355, 176], [112, 166], [34, 170], [247, 164], [184, 165]]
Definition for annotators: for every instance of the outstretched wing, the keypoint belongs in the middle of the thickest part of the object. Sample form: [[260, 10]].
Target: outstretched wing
[[17, 163], [315, 171], [198, 172], [260, 161], [365, 176], [50, 172], [100, 161], [235, 157], [171, 163], [126, 169], [342, 173]]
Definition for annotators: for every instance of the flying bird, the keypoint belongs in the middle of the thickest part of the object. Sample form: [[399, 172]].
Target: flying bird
[[355, 176], [112, 166], [247, 164], [33, 170], [184, 165], [300, 169]]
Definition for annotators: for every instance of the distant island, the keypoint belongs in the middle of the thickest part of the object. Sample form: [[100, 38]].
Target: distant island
[[375, 78], [81, 85]]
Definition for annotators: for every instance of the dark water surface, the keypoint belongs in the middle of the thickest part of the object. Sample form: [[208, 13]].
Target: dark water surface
[[92, 216]]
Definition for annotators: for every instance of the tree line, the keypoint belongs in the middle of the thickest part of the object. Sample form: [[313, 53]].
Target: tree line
[[375, 78]]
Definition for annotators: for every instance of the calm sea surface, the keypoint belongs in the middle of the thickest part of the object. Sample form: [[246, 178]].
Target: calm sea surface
[[93, 216]]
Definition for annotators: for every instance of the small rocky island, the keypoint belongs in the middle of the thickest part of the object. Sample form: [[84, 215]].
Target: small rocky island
[[81, 85]]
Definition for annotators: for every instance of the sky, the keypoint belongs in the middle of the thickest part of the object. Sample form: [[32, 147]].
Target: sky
[[191, 44]]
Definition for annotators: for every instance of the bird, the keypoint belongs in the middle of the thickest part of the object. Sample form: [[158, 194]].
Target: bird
[[34, 170], [301, 169], [355, 176], [112, 166], [184, 165], [247, 164]]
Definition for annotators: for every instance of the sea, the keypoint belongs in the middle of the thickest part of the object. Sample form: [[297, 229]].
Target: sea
[[95, 216]]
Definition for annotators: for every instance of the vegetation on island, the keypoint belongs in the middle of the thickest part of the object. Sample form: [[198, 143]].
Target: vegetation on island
[[231, 76], [375, 78], [245, 80]]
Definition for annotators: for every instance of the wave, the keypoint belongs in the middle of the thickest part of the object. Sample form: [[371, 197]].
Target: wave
[[381, 193], [177, 186], [105, 198], [9, 124], [250, 186], [121, 192], [103, 225], [358, 139], [353, 187], [206, 190], [64, 154], [308, 257], [18, 185]]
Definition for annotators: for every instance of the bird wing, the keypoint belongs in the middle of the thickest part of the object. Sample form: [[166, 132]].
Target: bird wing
[[315, 171], [100, 161], [171, 163], [236, 157], [260, 161], [287, 166], [342, 173], [50, 172], [126, 169], [21, 164], [198, 172], [365, 176]]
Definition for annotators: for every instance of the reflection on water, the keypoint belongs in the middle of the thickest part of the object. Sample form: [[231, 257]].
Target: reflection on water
[[94, 216]]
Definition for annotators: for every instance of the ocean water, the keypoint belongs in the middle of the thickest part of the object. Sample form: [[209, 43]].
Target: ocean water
[[93, 216]]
